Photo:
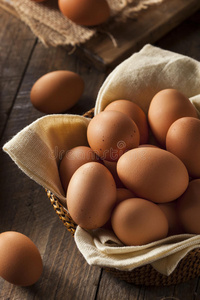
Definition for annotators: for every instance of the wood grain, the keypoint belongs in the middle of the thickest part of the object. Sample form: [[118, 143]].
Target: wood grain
[[15, 50], [130, 36]]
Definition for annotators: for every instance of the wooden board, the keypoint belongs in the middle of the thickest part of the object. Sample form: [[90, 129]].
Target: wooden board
[[150, 26], [107, 49]]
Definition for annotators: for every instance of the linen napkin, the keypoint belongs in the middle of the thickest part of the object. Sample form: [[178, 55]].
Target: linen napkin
[[39, 147]]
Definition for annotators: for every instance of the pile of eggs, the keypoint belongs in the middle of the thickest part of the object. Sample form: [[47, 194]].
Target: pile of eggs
[[142, 190], [84, 12]]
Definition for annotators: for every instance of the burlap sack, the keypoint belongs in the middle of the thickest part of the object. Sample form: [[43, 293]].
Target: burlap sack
[[38, 148], [52, 28]]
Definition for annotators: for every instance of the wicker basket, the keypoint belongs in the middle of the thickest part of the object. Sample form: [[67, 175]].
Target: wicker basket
[[188, 268]]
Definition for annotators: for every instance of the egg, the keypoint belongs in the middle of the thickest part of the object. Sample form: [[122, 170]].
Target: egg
[[152, 173], [57, 91], [183, 140], [171, 213], [91, 195], [85, 12], [165, 108], [20, 260], [111, 133], [72, 160], [137, 222], [112, 167], [135, 113], [123, 194], [188, 206]]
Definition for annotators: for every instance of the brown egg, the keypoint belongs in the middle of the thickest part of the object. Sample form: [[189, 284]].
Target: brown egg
[[112, 167], [183, 140], [188, 206], [138, 222], [123, 194], [152, 173], [20, 260], [165, 108], [135, 113], [56, 92], [171, 213], [147, 145], [111, 133], [72, 160], [85, 12], [91, 195]]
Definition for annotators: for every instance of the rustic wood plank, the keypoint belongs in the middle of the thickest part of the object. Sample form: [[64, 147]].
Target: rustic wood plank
[[111, 288], [150, 26], [187, 290], [184, 39], [16, 45], [158, 292]]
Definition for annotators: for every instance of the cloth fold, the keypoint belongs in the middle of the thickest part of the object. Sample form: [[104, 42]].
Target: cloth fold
[[102, 248], [38, 149]]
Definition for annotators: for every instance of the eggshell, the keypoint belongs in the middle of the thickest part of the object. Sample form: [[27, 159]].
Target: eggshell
[[135, 113], [91, 195], [183, 140], [188, 206], [112, 167], [111, 133], [152, 173], [165, 108], [20, 260], [57, 91], [138, 222], [171, 212], [38, 0], [85, 12], [123, 194], [72, 160]]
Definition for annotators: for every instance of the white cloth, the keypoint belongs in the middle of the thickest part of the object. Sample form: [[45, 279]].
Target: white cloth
[[102, 248], [147, 72], [38, 148]]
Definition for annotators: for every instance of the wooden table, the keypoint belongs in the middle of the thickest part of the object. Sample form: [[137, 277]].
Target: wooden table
[[24, 206]]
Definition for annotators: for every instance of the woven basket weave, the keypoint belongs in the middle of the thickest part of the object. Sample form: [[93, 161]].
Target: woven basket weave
[[188, 268]]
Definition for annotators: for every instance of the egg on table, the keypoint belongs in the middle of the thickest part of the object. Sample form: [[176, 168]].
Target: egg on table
[[20, 260], [57, 91]]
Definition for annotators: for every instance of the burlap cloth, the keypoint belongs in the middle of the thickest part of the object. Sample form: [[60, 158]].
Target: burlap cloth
[[38, 148], [52, 28]]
